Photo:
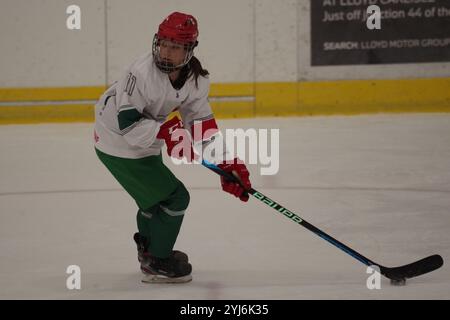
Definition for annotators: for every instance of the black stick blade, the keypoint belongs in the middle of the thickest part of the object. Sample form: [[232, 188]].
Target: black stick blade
[[414, 269]]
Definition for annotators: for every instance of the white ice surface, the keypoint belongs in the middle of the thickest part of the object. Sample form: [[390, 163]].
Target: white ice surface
[[380, 184]]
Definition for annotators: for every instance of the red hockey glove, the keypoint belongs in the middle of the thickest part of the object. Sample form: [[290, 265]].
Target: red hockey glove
[[178, 140], [238, 169]]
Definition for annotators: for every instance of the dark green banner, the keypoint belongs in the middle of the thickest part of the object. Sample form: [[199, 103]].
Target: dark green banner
[[411, 31]]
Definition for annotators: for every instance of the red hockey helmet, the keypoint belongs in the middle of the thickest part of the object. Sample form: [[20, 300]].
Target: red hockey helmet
[[180, 28]]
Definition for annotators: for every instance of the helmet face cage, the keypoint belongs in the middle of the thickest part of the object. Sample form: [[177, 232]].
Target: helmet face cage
[[166, 66]]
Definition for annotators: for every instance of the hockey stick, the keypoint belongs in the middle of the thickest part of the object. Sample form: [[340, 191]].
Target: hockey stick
[[401, 273]]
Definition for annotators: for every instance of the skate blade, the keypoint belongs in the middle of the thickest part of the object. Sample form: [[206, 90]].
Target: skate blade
[[153, 278]]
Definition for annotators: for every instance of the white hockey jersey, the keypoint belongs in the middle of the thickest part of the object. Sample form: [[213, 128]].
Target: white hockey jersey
[[129, 114]]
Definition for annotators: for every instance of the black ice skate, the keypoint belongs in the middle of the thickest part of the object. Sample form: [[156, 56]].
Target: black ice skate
[[142, 244], [167, 270], [174, 269]]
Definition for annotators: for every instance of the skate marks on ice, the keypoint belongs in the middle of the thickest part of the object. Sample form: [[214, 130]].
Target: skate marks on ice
[[378, 183]]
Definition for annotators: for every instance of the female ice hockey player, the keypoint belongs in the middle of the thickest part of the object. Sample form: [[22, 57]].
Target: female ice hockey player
[[131, 128]]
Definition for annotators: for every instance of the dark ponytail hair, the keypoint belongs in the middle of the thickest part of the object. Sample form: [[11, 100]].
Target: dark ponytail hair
[[196, 70], [193, 68]]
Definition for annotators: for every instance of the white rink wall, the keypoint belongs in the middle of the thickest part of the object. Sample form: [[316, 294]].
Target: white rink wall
[[39, 51], [240, 41]]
